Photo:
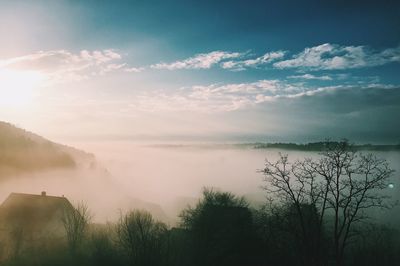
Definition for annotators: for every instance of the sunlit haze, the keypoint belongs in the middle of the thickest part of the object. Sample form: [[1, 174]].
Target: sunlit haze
[[18, 88], [79, 70]]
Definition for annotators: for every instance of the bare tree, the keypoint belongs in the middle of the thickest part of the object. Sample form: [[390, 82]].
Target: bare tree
[[76, 221], [342, 182], [141, 237]]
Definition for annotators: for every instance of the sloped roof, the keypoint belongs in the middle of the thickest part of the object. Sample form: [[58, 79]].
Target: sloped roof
[[32, 211]]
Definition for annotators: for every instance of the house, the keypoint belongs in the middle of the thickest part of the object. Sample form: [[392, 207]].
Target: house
[[29, 218]]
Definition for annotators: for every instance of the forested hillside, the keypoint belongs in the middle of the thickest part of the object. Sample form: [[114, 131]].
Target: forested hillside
[[22, 151]]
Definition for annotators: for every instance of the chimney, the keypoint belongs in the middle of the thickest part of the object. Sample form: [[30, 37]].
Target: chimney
[[43, 193]]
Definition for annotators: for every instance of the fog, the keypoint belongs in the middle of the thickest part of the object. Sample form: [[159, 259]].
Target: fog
[[161, 178]]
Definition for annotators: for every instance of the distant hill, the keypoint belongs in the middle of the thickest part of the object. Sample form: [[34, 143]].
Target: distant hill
[[22, 151], [320, 146]]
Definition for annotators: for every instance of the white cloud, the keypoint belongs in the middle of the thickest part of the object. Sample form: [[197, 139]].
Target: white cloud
[[58, 58], [215, 97], [262, 60], [310, 77], [234, 66], [332, 56], [322, 57], [220, 98], [200, 61], [134, 69], [63, 65]]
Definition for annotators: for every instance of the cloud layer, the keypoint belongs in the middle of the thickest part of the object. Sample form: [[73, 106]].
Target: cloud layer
[[200, 61], [332, 56], [217, 98], [67, 65], [321, 57], [255, 62], [63, 65], [310, 77]]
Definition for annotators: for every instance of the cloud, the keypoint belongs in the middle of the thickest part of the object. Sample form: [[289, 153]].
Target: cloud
[[222, 98], [63, 65], [200, 61], [134, 69], [332, 56], [256, 62], [57, 58], [322, 57], [215, 98], [310, 77]]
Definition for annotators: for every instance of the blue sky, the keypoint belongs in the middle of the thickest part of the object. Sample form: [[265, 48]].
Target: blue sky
[[261, 70]]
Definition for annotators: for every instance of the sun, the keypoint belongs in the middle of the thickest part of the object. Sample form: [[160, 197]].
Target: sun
[[18, 88]]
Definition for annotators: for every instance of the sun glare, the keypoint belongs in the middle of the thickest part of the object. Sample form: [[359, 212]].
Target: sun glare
[[18, 88]]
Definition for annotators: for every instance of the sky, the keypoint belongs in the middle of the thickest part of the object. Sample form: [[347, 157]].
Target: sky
[[202, 70]]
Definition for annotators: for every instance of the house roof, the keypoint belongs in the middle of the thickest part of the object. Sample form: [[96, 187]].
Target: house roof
[[29, 210]]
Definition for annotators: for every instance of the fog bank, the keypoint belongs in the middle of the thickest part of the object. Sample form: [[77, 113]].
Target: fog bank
[[160, 178]]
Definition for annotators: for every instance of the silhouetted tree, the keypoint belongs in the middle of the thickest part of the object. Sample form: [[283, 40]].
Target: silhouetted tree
[[221, 230], [342, 182], [376, 245], [141, 237], [282, 238], [103, 250], [76, 221]]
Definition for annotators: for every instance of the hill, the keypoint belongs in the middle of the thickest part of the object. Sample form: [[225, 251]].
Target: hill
[[22, 151], [320, 146]]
